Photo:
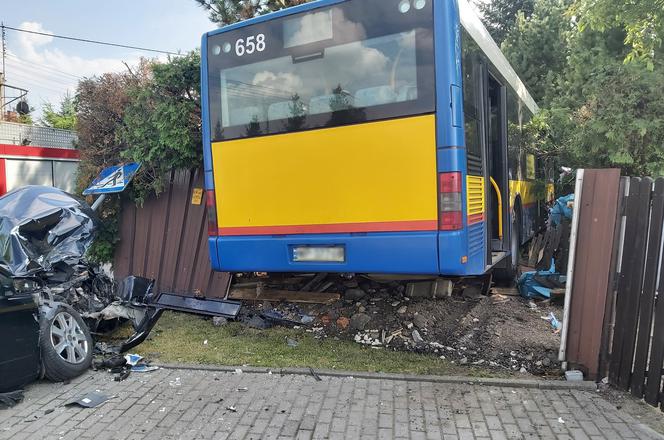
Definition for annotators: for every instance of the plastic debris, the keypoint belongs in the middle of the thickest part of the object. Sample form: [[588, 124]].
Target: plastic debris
[[133, 359], [143, 368], [574, 375], [90, 400], [557, 325], [562, 208], [540, 283]]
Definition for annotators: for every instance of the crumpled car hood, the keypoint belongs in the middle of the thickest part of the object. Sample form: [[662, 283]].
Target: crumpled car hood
[[41, 226]]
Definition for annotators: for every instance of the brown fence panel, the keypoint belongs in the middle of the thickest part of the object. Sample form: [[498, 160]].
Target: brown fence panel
[[630, 281], [647, 299], [597, 207], [166, 239], [654, 380]]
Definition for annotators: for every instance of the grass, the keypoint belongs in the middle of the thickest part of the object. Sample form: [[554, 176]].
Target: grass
[[179, 338]]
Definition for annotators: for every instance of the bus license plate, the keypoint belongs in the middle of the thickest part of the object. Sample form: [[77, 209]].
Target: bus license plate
[[326, 254]]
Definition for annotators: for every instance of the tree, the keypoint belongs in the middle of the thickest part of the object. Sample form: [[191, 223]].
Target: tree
[[642, 21], [537, 46], [500, 16], [597, 111], [101, 104], [64, 118], [161, 124], [224, 12]]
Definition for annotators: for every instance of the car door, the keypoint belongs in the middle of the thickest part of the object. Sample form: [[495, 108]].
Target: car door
[[19, 339]]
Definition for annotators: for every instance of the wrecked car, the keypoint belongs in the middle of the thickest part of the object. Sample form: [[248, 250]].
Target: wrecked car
[[51, 300], [41, 338]]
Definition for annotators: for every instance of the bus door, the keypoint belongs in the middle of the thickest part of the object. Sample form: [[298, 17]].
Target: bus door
[[496, 170]]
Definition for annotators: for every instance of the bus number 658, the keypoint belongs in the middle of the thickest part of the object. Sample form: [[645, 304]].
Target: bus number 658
[[252, 44]]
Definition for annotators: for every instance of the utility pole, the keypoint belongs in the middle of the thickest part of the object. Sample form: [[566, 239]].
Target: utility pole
[[2, 74]]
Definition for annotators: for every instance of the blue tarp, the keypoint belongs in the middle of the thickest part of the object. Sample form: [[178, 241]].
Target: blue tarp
[[529, 287], [560, 209]]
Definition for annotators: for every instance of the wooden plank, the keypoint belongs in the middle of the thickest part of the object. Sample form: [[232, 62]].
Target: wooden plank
[[633, 263], [609, 307], [653, 384], [284, 295], [647, 299], [624, 279]]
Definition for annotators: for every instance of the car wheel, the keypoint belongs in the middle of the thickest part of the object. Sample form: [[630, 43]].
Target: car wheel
[[66, 345]]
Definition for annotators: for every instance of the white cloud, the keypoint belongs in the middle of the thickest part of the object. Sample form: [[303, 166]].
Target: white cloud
[[34, 63]]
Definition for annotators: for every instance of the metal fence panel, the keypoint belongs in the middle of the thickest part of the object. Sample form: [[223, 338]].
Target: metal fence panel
[[23, 134], [597, 209], [166, 239]]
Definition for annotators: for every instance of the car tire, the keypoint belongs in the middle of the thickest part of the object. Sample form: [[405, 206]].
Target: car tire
[[66, 345]]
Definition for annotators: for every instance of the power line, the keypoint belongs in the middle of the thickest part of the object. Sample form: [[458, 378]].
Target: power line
[[42, 66], [85, 40], [41, 77]]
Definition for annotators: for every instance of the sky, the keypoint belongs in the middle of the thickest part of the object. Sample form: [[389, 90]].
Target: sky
[[49, 67]]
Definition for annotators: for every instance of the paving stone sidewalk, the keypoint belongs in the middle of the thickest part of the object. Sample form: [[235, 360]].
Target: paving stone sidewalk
[[187, 404]]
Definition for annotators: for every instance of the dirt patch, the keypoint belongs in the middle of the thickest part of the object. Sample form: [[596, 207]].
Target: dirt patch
[[501, 331]]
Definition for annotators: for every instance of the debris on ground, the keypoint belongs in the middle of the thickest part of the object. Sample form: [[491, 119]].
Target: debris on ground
[[13, 398], [574, 375], [494, 330], [551, 319], [90, 400]]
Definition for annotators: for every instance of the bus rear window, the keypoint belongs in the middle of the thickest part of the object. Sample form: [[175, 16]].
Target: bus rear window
[[321, 69]]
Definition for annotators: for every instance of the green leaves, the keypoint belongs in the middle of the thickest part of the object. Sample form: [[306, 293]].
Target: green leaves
[[64, 118], [162, 122], [599, 88]]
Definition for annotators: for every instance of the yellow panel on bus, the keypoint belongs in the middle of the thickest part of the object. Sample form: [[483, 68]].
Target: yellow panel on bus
[[378, 176]]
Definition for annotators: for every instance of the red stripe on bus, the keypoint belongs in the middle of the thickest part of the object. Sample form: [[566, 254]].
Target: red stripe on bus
[[475, 218], [29, 151], [399, 226]]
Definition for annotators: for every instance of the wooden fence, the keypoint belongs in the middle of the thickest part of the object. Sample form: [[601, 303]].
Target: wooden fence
[[615, 326], [636, 351], [166, 240]]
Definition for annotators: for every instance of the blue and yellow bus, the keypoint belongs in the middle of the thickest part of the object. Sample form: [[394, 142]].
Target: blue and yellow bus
[[365, 136]]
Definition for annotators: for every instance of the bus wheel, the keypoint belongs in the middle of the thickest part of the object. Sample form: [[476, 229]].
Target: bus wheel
[[508, 274]]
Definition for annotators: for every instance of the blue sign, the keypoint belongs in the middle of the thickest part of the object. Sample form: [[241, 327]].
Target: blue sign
[[113, 179]]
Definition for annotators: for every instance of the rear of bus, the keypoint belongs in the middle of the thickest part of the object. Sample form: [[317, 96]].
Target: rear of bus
[[324, 149]]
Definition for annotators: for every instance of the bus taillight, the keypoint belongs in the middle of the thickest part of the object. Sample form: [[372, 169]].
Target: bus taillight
[[211, 205], [451, 215]]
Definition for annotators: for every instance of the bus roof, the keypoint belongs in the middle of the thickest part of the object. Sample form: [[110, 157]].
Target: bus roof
[[469, 20], [472, 23]]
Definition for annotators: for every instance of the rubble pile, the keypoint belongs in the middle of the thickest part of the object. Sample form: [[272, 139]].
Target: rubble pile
[[497, 330]]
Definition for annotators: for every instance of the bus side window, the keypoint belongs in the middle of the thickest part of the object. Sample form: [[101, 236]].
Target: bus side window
[[471, 68]]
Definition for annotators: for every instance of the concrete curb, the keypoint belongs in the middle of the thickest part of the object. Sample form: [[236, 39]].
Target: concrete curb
[[486, 381]]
